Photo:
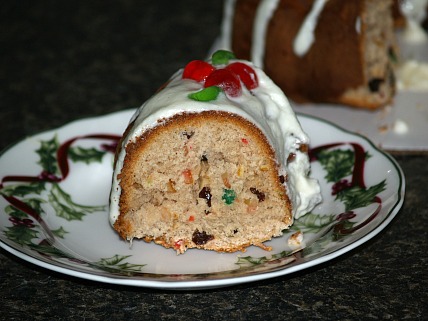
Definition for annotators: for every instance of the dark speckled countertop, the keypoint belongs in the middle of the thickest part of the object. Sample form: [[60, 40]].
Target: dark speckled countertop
[[66, 60]]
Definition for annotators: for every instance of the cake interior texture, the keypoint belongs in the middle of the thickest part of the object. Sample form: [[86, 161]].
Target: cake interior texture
[[207, 180]]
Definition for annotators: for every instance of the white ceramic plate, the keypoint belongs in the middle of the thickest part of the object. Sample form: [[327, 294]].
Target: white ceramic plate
[[54, 198], [383, 127]]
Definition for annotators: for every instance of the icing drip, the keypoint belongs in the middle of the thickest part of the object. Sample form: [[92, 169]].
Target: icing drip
[[305, 37], [264, 13], [226, 28]]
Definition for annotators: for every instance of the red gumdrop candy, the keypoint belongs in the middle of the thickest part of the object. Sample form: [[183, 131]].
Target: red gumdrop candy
[[245, 73], [226, 80], [197, 70]]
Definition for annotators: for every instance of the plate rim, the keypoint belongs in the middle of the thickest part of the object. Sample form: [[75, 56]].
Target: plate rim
[[223, 280]]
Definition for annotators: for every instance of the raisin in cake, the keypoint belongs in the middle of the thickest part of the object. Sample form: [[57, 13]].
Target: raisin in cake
[[215, 160], [331, 51]]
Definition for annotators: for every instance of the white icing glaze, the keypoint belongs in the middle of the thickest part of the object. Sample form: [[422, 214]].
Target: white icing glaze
[[264, 13], [226, 28], [266, 107], [306, 37]]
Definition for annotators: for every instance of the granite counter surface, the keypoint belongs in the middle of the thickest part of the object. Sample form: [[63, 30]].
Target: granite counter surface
[[66, 60]]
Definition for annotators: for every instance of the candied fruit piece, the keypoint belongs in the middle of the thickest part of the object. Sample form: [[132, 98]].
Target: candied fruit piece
[[229, 196], [226, 80], [264, 168], [245, 73], [260, 195], [252, 205], [225, 178], [201, 238], [304, 148], [178, 244], [291, 158], [240, 170], [374, 84], [197, 70], [222, 57], [205, 193], [206, 94], [188, 178], [170, 186]]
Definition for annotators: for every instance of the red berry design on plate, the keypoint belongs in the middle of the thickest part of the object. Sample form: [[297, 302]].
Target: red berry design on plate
[[339, 186], [197, 70], [22, 222], [245, 73], [226, 80]]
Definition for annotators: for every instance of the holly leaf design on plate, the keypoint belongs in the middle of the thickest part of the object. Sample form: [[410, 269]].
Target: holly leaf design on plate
[[337, 163], [47, 154], [23, 189], [45, 248], [117, 264], [21, 234], [86, 155], [60, 232], [66, 208], [356, 197], [248, 261], [312, 223], [319, 245]]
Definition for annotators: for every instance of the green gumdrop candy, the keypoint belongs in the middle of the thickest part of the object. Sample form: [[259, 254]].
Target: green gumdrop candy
[[222, 57], [229, 196], [206, 94]]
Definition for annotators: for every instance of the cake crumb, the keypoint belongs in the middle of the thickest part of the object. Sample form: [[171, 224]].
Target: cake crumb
[[296, 240], [264, 247], [383, 129]]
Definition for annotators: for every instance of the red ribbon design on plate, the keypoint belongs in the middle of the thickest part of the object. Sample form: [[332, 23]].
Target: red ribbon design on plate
[[63, 164]]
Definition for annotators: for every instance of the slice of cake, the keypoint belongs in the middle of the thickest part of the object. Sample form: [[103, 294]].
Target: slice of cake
[[331, 51], [215, 160]]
